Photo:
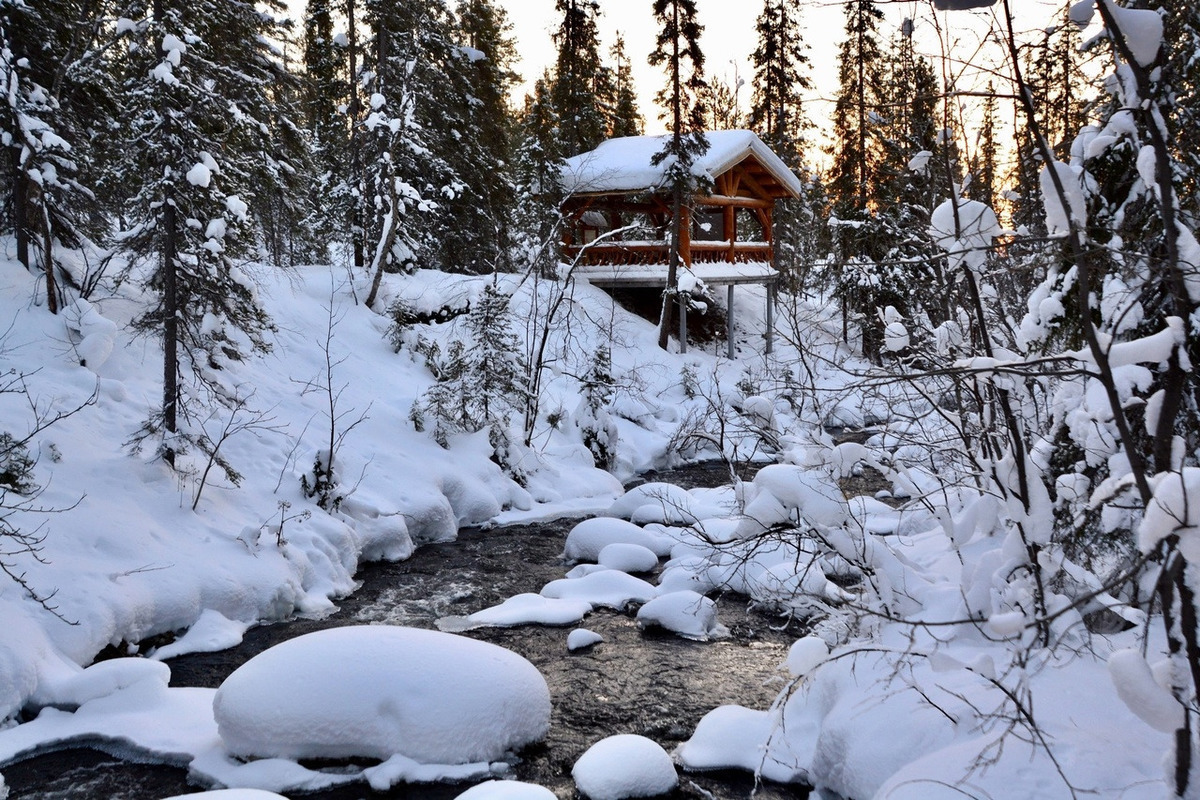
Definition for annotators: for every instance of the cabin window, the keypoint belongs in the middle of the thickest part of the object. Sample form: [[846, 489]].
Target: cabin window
[[749, 226], [708, 225]]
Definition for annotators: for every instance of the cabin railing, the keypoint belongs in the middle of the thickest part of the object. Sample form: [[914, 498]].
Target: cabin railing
[[646, 253]]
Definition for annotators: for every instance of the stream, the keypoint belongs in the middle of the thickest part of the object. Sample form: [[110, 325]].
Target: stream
[[654, 684]]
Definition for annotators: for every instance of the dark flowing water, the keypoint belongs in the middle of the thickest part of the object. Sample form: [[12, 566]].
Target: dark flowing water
[[654, 684]]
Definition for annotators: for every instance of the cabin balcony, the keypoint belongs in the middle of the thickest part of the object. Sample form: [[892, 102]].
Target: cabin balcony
[[647, 253]]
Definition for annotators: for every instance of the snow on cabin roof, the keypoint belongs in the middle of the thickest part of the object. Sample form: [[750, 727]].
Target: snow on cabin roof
[[623, 164]]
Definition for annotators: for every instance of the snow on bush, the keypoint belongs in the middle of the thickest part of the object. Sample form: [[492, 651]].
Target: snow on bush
[[380, 691], [624, 766]]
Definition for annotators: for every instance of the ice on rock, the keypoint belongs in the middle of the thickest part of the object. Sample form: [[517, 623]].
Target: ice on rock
[[588, 538], [581, 638], [383, 691], [627, 557], [506, 790], [624, 766], [686, 613]]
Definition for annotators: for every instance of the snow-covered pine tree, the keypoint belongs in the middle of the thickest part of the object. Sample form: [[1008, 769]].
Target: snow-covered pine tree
[[854, 173], [582, 119], [326, 98], [538, 194], [677, 51], [57, 97], [197, 78], [482, 379], [625, 119], [781, 75], [405, 172], [475, 223]]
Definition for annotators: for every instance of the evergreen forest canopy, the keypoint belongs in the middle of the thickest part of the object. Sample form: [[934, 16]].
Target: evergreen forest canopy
[[170, 144]]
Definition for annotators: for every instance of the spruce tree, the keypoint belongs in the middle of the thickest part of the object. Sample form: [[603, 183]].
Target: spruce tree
[[625, 120], [677, 51], [196, 84], [476, 221], [59, 103], [326, 101], [781, 74], [854, 175], [582, 117]]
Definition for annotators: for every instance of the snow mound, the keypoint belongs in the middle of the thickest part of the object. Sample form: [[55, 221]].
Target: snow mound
[[608, 588], [230, 794], [381, 691], [506, 790], [581, 638], [588, 538], [687, 613], [627, 557], [624, 766], [655, 502], [732, 737], [521, 609]]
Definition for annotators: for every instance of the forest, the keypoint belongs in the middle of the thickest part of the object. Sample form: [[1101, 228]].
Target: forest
[[991, 274]]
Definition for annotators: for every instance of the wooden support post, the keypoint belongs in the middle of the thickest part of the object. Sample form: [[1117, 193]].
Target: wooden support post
[[682, 322], [770, 318], [729, 321]]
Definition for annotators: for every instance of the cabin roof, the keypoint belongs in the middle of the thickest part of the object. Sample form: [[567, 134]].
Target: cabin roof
[[623, 164]]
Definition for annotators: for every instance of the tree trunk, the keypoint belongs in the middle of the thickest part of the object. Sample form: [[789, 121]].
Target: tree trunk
[[20, 203], [47, 248]]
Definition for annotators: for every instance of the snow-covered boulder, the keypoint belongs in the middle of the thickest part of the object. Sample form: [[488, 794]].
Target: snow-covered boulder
[[580, 638], [624, 766], [686, 613], [627, 557], [379, 691], [655, 502], [608, 588], [506, 790], [521, 609], [588, 538], [229, 794]]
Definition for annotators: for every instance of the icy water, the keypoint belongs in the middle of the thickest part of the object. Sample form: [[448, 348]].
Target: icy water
[[657, 685]]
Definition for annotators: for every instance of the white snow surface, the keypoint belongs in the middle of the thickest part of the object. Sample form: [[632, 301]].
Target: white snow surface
[[622, 766], [129, 559], [379, 691]]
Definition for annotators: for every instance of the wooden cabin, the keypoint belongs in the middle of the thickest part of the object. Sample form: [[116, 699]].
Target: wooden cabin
[[618, 214]]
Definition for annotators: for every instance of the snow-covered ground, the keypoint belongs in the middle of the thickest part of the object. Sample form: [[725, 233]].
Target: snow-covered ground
[[873, 708]]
